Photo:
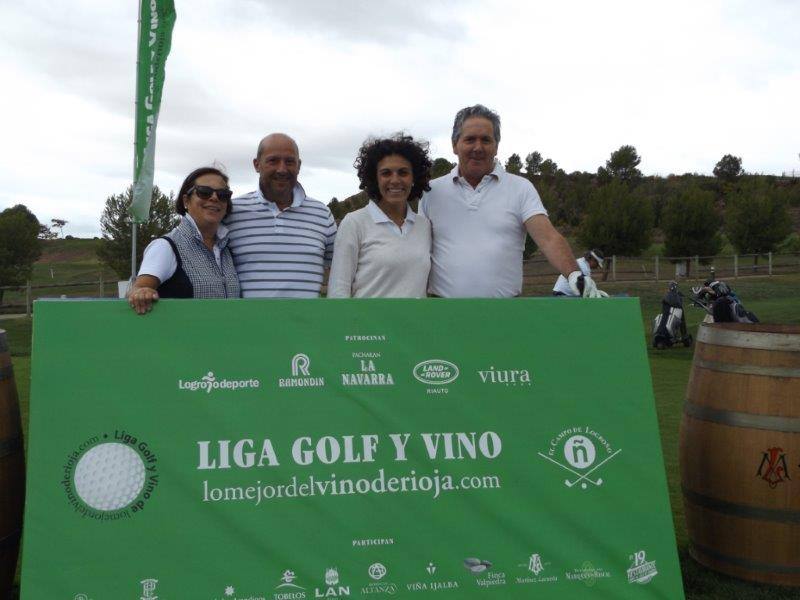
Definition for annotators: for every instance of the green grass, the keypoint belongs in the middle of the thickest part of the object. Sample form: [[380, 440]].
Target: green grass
[[773, 299]]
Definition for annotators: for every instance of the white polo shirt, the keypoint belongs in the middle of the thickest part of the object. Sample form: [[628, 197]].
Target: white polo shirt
[[479, 233]]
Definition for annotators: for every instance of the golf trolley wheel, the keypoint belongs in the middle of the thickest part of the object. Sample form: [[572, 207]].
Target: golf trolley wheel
[[687, 341]]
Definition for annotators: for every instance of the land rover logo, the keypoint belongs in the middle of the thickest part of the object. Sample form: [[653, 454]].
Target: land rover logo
[[436, 372]]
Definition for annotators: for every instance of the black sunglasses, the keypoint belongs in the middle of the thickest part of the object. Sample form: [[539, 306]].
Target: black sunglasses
[[205, 192]]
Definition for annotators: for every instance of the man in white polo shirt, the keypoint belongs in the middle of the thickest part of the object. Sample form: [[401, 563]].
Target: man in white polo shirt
[[281, 240], [480, 215]]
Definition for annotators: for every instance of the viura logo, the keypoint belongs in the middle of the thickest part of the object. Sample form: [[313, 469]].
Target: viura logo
[[507, 377], [209, 382]]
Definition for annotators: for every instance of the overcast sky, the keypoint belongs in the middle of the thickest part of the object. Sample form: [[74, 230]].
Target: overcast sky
[[684, 82]]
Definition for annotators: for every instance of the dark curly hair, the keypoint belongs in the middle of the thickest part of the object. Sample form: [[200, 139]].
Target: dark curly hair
[[190, 180], [374, 150]]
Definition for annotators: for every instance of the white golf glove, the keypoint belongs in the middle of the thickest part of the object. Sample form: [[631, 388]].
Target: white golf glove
[[584, 286]]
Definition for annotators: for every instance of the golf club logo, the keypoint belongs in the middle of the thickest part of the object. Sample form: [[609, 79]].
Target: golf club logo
[[581, 452]]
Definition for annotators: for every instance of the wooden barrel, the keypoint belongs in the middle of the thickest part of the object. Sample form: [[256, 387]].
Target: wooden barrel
[[740, 451], [12, 471]]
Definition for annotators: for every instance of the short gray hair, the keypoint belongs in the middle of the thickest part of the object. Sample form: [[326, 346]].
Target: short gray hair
[[479, 110]]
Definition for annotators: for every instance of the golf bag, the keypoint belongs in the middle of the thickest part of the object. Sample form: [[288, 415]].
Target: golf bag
[[669, 327], [721, 303]]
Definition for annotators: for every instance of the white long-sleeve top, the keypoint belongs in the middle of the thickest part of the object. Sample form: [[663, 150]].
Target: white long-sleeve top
[[374, 258]]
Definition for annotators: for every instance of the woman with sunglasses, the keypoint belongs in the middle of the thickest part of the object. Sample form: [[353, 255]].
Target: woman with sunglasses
[[192, 260]]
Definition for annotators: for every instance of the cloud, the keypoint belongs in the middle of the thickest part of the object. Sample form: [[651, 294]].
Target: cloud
[[384, 22]]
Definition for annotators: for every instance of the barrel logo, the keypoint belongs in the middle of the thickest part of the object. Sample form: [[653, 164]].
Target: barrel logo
[[773, 468]]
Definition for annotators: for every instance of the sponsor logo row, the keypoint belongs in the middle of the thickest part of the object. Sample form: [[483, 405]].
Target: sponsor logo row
[[534, 570], [435, 373]]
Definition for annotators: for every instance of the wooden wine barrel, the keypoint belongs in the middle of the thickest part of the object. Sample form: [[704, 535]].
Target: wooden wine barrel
[[740, 451], [12, 471]]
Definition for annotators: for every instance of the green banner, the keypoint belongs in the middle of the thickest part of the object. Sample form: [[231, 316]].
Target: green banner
[[284, 449], [156, 20]]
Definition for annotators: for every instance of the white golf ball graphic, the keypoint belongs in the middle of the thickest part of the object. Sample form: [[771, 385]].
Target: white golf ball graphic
[[109, 476]]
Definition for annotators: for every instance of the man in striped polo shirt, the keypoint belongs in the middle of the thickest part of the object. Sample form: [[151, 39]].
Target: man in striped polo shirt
[[281, 239]]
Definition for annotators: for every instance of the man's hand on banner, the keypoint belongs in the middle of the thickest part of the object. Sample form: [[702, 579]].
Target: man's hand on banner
[[584, 286]]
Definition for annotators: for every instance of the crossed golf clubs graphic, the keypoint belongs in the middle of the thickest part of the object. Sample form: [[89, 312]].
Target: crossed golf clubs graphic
[[597, 482]]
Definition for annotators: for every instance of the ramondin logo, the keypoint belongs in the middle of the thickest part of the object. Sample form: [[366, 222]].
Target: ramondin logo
[[301, 374], [209, 382], [110, 478], [436, 372]]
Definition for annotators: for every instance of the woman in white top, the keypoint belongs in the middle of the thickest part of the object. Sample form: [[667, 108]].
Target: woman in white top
[[192, 260], [383, 250]]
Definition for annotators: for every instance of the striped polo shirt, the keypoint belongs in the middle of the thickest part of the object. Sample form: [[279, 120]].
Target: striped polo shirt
[[280, 254]]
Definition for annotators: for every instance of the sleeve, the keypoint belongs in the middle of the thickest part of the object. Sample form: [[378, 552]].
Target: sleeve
[[330, 237], [345, 260], [159, 260], [530, 202], [423, 205]]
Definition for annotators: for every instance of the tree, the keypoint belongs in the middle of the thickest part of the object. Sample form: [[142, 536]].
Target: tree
[[548, 168], [19, 245], [45, 233], [58, 224], [756, 218], [729, 168], [691, 225], [441, 166], [617, 221], [114, 248], [622, 165], [533, 164], [514, 164]]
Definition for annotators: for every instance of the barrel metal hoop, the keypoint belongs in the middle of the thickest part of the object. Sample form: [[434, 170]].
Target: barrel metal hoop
[[722, 367], [11, 539], [745, 562], [741, 419], [717, 336], [743, 511], [10, 446], [7, 372]]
